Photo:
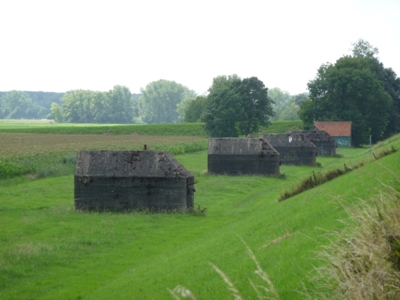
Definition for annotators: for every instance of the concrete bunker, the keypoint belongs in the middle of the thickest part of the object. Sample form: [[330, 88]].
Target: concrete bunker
[[128, 180], [295, 149], [236, 156], [326, 145]]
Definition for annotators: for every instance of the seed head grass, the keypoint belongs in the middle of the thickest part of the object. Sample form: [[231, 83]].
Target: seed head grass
[[364, 259]]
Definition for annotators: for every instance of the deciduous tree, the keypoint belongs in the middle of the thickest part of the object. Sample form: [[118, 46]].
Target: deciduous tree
[[159, 100], [388, 78], [350, 91], [16, 105], [195, 109], [56, 113], [120, 105], [255, 106], [236, 106]]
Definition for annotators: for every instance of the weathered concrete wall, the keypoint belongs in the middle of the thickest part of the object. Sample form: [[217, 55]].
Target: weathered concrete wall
[[326, 145], [235, 156], [295, 149], [126, 180]]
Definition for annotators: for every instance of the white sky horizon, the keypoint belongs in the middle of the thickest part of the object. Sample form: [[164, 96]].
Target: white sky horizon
[[57, 46]]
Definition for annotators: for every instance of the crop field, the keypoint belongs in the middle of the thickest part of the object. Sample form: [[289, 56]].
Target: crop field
[[21, 144], [46, 149], [50, 251]]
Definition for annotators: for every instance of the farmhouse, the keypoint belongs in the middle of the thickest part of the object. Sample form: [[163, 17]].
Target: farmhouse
[[126, 180], [234, 156], [295, 149], [339, 131], [325, 144]]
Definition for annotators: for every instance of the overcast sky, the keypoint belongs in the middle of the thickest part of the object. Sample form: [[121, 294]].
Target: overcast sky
[[58, 45]]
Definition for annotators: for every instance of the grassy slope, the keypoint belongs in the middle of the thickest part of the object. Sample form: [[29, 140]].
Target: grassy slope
[[283, 126], [49, 251]]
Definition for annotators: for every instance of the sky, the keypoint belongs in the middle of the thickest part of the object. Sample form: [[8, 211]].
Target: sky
[[57, 45]]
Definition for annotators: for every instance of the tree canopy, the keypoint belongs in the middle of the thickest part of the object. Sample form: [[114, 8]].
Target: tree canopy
[[159, 101], [85, 106], [195, 109], [351, 90], [388, 79], [236, 106], [286, 106], [19, 105], [356, 88]]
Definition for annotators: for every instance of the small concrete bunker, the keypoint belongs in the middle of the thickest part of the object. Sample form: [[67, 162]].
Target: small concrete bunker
[[326, 145], [128, 180], [295, 149], [236, 156]]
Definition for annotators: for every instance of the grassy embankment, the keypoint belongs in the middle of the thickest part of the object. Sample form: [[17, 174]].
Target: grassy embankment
[[49, 251]]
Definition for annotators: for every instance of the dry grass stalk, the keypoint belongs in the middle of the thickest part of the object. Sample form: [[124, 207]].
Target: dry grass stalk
[[235, 292], [265, 291], [269, 289], [181, 291], [364, 264], [277, 240]]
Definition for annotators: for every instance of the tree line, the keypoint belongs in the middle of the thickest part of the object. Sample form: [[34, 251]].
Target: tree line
[[357, 88], [27, 105], [160, 101]]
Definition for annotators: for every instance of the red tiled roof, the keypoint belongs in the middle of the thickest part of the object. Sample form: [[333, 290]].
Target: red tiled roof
[[334, 128]]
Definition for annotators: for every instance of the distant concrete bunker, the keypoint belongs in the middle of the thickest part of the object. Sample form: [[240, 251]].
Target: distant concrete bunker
[[128, 180], [236, 156], [295, 149], [326, 145]]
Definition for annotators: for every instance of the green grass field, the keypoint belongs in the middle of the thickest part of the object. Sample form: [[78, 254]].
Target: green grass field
[[184, 129], [50, 251]]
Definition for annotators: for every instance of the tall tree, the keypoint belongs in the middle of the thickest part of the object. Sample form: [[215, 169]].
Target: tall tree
[[307, 114], [364, 49], [77, 106], [255, 105], [236, 106], [300, 98], [85, 106], [159, 100], [99, 106], [388, 78], [195, 109], [391, 84], [281, 100], [222, 110], [16, 105], [121, 106], [350, 91], [56, 113]]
